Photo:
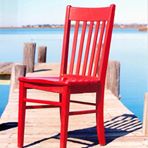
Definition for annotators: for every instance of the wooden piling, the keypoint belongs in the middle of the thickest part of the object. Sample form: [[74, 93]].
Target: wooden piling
[[42, 52], [145, 115], [17, 71], [29, 56], [113, 77]]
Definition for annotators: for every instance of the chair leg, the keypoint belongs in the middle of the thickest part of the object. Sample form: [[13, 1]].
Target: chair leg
[[64, 118], [21, 116], [60, 100], [100, 117]]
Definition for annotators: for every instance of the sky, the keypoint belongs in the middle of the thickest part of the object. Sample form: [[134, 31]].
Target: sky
[[31, 12]]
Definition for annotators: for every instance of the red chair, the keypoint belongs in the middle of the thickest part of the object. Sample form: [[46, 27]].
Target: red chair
[[86, 44]]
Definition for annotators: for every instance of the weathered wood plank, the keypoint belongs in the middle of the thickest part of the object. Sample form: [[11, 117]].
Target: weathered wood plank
[[145, 115], [113, 77], [5, 68], [18, 70], [29, 56], [42, 127], [42, 52]]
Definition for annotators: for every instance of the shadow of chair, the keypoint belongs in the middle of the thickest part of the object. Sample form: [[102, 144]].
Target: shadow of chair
[[114, 128], [7, 126], [121, 126]]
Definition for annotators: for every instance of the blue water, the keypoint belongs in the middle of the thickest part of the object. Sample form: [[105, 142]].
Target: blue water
[[4, 92], [131, 49], [128, 46]]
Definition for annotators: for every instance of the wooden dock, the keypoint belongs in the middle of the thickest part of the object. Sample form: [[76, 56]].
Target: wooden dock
[[123, 129]]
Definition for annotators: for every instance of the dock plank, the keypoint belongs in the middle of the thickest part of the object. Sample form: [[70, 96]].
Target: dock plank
[[123, 129]]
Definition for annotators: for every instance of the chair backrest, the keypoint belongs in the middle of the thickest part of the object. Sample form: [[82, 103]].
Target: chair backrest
[[86, 42]]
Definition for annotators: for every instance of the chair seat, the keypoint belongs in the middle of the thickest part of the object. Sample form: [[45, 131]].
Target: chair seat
[[68, 80]]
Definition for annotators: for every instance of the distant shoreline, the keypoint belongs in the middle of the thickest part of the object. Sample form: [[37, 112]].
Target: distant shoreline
[[140, 27]]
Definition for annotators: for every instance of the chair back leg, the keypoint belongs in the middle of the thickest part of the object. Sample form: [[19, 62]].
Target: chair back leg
[[100, 117]]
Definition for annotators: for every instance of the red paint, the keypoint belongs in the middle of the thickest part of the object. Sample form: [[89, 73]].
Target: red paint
[[85, 75]]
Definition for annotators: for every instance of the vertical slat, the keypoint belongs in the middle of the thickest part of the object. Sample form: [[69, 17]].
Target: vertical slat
[[87, 48], [97, 56], [65, 47], [107, 41], [74, 47], [93, 48], [81, 47]]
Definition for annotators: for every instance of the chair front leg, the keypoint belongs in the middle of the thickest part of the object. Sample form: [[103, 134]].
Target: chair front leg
[[100, 117], [21, 115], [65, 99]]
